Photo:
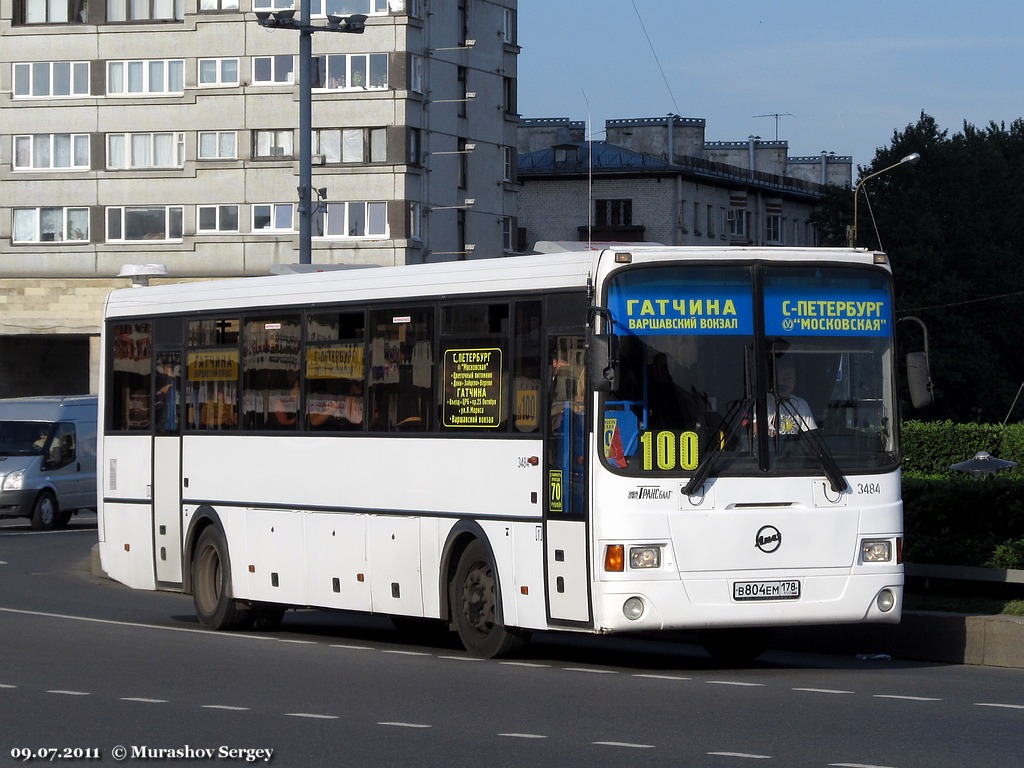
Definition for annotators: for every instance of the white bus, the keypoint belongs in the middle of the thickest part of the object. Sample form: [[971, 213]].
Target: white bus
[[594, 441]]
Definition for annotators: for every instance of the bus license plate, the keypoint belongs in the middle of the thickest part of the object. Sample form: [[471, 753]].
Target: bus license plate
[[766, 590]]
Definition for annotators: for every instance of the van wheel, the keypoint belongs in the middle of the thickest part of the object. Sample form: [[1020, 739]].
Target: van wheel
[[211, 584], [476, 606], [45, 512]]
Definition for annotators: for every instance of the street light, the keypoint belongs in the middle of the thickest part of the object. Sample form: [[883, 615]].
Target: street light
[[912, 158], [354, 24]]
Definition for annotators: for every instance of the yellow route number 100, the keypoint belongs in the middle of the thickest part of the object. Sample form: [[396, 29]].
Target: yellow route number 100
[[667, 451]]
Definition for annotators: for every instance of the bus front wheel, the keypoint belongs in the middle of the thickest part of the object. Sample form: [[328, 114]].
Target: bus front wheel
[[211, 584], [476, 606], [736, 646]]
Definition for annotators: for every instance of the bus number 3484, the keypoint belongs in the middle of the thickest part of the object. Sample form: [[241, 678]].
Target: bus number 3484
[[667, 451]]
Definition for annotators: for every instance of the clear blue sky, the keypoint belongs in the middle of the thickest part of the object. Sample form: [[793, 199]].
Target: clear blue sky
[[849, 72]]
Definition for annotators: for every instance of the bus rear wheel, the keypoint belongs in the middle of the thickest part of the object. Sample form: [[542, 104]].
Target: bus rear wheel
[[476, 606], [211, 584]]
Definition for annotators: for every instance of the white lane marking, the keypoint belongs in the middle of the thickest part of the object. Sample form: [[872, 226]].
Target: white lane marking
[[144, 701], [71, 693], [904, 698], [523, 735], [110, 622], [353, 647], [821, 690], [994, 704], [524, 664], [296, 642], [4, 685], [663, 677], [407, 653], [406, 725], [736, 683], [745, 755], [856, 765], [311, 715], [590, 671], [460, 658], [625, 744], [226, 707]]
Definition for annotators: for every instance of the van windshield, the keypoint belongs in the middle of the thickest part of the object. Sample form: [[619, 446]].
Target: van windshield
[[24, 438]]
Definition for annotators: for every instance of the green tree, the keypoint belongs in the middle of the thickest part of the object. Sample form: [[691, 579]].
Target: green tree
[[950, 225]]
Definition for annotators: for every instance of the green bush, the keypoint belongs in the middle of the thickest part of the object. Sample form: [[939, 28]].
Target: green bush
[[1009, 554]]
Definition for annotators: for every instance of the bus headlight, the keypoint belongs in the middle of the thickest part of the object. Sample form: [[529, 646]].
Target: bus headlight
[[645, 557], [633, 608], [14, 481], [876, 551]]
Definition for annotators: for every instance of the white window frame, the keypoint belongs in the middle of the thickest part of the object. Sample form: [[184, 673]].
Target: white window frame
[[123, 215], [737, 220], [508, 163], [273, 139], [133, 11], [219, 212], [28, 79], [52, 11], [277, 212], [32, 219], [51, 147], [318, 8], [338, 220], [212, 6], [222, 75], [351, 146], [226, 143], [416, 221], [279, 73], [273, 5], [416, 74], [506, 234], [152, 77], [128, 151], [773, 228], [508, 26], [350, 72]]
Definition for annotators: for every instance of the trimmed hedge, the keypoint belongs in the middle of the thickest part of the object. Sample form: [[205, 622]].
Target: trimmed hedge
[[950, 517]]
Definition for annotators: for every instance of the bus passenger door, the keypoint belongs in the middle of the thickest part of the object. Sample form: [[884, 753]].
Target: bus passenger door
[[167, 467], [565, 549]]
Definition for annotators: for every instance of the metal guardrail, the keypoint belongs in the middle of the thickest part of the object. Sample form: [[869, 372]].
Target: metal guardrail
[[964, 573]]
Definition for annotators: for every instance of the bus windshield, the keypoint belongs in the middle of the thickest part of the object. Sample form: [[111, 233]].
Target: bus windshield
[[739, 369]]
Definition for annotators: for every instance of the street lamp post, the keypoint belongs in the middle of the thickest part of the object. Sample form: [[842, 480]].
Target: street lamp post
[[354, 24], [913, 157]]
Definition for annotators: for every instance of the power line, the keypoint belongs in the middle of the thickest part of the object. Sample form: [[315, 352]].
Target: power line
[[966, 301], [656, 59]]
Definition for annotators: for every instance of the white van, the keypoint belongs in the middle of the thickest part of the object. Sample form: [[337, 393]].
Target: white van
[[47, 458]]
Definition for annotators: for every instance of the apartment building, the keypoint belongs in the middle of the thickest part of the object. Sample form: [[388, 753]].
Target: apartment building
[[165, 132], [659, 180]]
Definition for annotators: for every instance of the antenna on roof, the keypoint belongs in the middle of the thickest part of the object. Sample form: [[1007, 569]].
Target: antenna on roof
[[778, 116]]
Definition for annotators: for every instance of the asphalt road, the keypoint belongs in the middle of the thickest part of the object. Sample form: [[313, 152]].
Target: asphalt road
[[87, 664]]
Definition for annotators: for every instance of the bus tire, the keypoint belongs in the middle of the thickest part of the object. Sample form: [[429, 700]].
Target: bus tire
[[45, 512], [211, 584], [476, 606], [736, 646]]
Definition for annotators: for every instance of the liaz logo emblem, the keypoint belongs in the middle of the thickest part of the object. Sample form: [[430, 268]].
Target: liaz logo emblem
[[768, 539]]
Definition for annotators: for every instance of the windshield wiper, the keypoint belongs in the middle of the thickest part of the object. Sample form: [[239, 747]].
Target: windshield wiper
[[715, 444], [819, 447]]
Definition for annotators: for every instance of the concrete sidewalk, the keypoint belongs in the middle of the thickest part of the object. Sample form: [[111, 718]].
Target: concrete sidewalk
[[995, 641]]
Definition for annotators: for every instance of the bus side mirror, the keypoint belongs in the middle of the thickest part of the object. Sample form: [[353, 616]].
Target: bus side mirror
[[919, 380], [603, 363]]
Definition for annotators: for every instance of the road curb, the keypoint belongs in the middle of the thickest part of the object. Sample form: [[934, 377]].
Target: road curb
[[952, 638]]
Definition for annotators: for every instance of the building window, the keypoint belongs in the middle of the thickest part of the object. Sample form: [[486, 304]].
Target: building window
[[49, 11], [145, 10], [506, 234], [271, 70], [351, 145], [347, 7], [509, 164], [508, 26], [273, 5], [145, 150], [154, 76], [273, 144], [144, 223], [49, 225], [696, 219], [710, 221], [415, 147], [509, 91], [207, 6], [416, 74], [353, 219], [415, 221], [218, 145], [462, 179], [216, 218], [45, 151], [463, 78], [351, 72], [737, 222], [613, 213], [273, 217], [51, 79], [773, 229], [213, 72]]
